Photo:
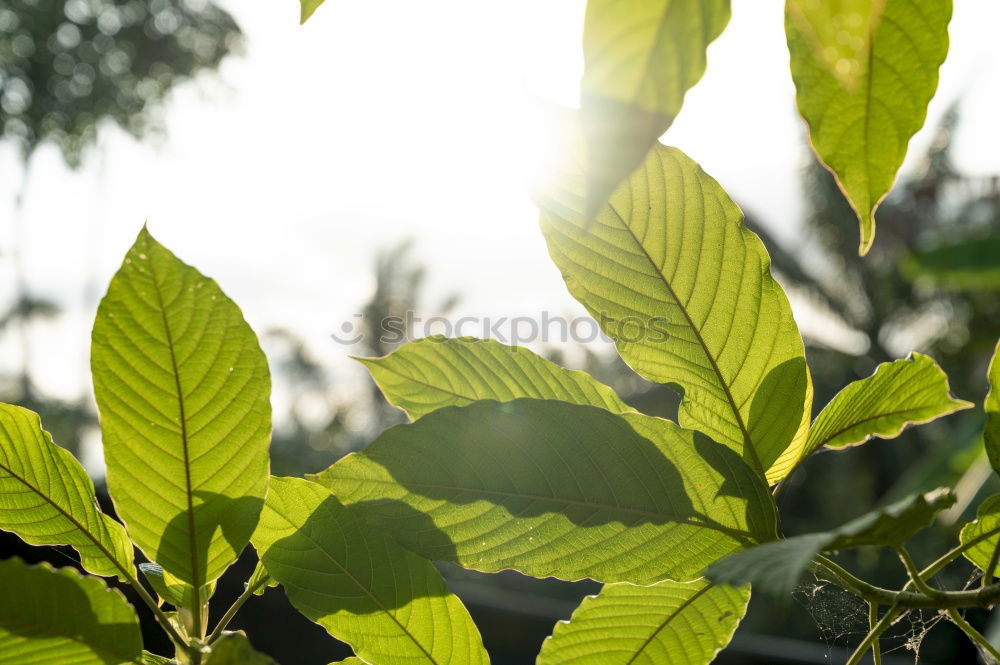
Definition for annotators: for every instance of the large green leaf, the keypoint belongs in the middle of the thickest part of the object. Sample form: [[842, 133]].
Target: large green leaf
[[390, 605], [863, 110], [671, 273], [235, 649], [434, 372], [777, 567], [183, 391], [59, 617], [668, 622], [556, 489], [991, 432], [982, 536], [48, 499], [899, 393], [640, 58]]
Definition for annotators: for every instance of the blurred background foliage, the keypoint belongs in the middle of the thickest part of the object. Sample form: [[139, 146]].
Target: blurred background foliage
[[930, 284]]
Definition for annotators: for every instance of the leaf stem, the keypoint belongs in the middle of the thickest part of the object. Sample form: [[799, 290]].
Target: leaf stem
[[871, 639], [991, 569], [234, 608], [973, 634], [916, 576], [161, 618], [872, 623]]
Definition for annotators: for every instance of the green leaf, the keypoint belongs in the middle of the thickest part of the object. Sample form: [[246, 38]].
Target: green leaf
[[982, 536], [58, 617], [671, 273], [555, 489], [261, 580], [47, 498], [970, 264], [777, 567], [640, 58], [184, 395], [434, 372], [353, 660], [235, 649], [648, 625], [390, 605], [172, 590], [991, 432], [152, 659], [899, 393], [308, 7], [863, 112]]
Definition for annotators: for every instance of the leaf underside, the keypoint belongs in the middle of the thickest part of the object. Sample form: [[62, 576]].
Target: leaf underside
[[983, 533]]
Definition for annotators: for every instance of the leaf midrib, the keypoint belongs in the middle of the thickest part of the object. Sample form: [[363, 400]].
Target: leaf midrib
[[667, 619], [192, 536], [747, 441]]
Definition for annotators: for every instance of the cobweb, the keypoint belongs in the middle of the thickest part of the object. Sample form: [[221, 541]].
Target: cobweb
[[841, 619]]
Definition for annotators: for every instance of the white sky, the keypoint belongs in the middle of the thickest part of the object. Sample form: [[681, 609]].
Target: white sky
[[392, 118]]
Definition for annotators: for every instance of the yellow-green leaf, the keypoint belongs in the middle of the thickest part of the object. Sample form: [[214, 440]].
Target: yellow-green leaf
[[991, 432], [556, 489], [982, 536], [183, 391], [864, 109], [308, 8], [235, 649], [390, 605], [640, 58], [674, 277], [428, 374], [904, 392], [59, 617], [668, 622], [47, 498]]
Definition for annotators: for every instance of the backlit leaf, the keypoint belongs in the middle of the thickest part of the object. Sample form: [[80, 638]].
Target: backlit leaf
[[668, 622], [308, 8], [900, 393], [235, 649], [390, 605], [982, 535], [59, 617], [556, 489], [47, 498], [435, 372], [671, 273], [640, 58], [184, 396], [991, 432], [864, 109]]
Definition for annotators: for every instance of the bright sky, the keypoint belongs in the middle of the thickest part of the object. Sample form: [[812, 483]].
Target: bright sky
[[391, 118]]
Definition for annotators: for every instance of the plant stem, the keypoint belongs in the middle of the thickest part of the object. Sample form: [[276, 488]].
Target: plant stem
[[872, 623], [234, 608], [991, 569], [871, 639], [916, 576], [973, 634], [161, 618]]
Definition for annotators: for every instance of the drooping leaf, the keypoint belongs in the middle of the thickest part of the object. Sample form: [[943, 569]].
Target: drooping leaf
[[640, 58], [900, 393], [556, 489], [184, 395], [671, 273], [235, 649], [47, 498], [777, 567], [308, 7], [390, 605], [863, 111], [434, 372], [991, 432], [982, 536], [261, 580], [668, 622], [59, 617], [172, 590], [971, 264]]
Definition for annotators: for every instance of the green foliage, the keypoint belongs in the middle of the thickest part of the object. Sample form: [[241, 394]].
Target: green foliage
[[66, 66], [183, 390], [777, 567], [900, 393], [390, 605], [966, 264], [646, 625], [557, 489], [308, 7], [981, 537], [640, 58], [58, 616], [235, 649], [434, 372], [864, 106], [673, 276], [47, 498], [991, 433]]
